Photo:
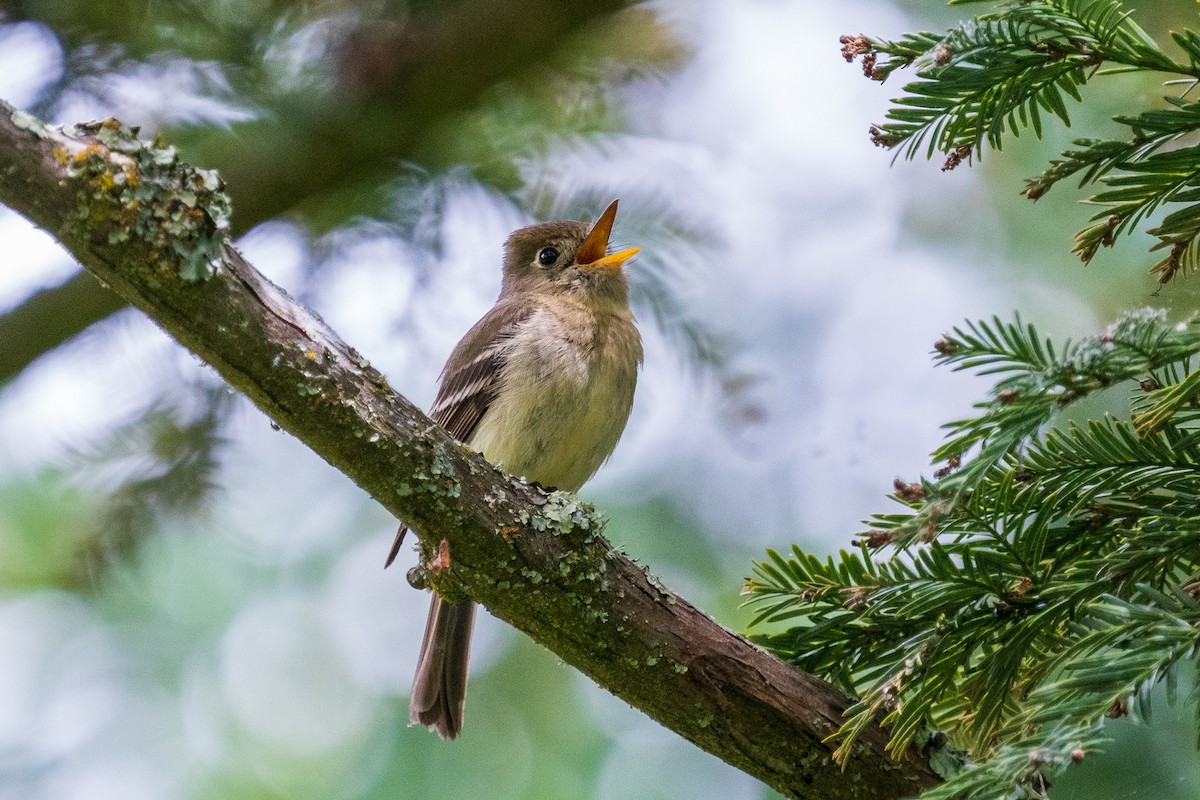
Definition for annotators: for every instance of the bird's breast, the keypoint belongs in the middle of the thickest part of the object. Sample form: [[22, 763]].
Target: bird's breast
[[563, 398]]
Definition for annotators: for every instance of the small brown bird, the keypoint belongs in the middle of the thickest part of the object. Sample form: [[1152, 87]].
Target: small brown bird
[[542, 386]]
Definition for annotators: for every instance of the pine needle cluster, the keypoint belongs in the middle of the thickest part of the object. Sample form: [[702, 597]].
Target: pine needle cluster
[[1047, 577], [1006, 71]]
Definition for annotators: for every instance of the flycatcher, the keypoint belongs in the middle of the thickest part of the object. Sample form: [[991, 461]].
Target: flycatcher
[[542, 386]]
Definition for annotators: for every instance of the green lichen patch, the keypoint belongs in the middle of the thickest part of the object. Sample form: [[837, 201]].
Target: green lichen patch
[[563, 512], [443, 463], [134, 190], [28, 122]]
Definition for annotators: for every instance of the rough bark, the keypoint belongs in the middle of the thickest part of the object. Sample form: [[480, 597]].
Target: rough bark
[[152, 228]]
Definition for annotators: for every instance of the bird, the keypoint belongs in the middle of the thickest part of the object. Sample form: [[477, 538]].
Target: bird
[[542, 386]]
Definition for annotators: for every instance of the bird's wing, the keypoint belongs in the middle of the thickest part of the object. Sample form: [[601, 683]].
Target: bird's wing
[[470, 379]]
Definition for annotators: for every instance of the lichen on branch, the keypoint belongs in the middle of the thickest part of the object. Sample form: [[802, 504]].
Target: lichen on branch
[[130, 188], [150, 226]]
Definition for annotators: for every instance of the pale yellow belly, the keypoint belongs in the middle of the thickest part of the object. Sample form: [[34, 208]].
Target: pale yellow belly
[[558, 414]]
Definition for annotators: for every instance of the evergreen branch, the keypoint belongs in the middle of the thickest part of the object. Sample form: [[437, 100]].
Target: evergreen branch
[[1077, 468], [1148, 180], [1001, 72], [1151, 130], [1162, 550], [1138, 191], [1132, 648], [163, 463], [1049, 580], [1164, 403], [1040, 381], [1023, 768]]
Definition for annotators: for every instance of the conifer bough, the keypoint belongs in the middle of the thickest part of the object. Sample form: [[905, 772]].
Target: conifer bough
[[1003, 72]]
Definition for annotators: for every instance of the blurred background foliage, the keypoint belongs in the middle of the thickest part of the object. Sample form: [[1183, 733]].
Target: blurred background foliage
[[192, 605]]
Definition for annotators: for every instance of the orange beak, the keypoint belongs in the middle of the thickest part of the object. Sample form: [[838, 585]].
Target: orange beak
[[593, 253]]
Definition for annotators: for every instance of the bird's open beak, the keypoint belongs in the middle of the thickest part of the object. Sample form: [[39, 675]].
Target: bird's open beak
[[593, 253]]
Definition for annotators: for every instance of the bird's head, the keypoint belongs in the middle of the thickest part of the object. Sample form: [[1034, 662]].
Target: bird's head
[[567, 258]]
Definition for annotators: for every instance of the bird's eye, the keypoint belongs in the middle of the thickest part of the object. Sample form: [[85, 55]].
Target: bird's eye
[[547, 256]]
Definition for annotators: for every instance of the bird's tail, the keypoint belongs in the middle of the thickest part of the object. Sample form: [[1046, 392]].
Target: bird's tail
[[439, 690], [395, 551]]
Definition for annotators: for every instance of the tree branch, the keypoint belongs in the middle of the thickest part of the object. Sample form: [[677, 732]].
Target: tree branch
[[153, 229], [398, 82], [50, 317]]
